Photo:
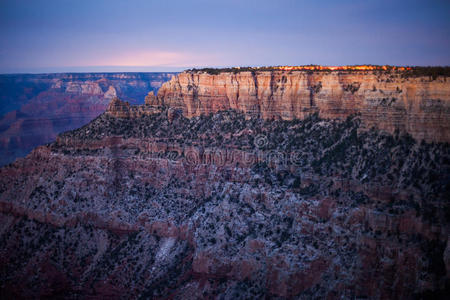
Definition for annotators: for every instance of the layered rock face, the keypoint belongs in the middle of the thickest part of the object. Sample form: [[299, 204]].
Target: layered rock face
[[35, 108], [122, 109], [160, 206], [419, 106]]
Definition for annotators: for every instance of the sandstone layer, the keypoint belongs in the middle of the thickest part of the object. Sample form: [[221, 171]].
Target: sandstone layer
[[419, 106]]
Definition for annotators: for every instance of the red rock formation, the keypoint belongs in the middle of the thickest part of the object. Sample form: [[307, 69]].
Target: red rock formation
[[419, 106], [123, 109], [151, 99]]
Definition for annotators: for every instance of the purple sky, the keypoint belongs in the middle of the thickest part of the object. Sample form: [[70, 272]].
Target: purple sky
[[167, 35]]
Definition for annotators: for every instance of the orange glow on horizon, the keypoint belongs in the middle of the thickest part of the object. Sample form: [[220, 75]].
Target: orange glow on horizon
[[342, 68]]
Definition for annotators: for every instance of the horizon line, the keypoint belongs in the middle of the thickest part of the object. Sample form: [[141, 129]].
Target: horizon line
[[148, 69]]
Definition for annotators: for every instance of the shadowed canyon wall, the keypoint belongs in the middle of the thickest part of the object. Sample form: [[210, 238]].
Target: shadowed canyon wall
[[159, 206], [36, 107]]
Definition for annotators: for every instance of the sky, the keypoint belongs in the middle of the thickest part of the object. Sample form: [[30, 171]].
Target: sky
[[170, 35]]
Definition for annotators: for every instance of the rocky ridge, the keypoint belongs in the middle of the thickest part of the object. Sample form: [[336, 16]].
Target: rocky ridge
[[143, 202]]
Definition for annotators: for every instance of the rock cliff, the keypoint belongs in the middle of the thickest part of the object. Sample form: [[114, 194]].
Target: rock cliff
[[387, 100], [123, 109]]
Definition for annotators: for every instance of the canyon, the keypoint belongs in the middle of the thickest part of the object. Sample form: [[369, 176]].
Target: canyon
[[246, 185], [34, 108]]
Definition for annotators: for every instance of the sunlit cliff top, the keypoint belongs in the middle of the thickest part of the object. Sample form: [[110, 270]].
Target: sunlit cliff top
[[433, 71]]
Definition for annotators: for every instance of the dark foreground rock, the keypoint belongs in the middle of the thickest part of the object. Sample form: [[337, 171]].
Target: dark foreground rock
[[226, 207]]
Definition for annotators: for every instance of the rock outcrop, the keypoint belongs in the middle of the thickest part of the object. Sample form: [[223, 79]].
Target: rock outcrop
[[151, 99], [123, 109], [419, 106]]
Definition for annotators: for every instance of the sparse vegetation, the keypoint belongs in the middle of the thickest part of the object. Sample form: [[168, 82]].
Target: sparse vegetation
[[329, 200], [412, 71]]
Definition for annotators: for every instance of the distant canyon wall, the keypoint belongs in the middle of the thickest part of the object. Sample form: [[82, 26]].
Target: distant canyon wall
[[34, 108], [419, 106]]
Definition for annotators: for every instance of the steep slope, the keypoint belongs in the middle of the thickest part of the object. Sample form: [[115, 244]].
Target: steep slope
[[390, 100], [146, 203], [38, 107]]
